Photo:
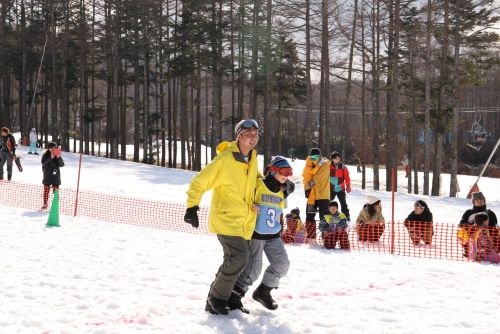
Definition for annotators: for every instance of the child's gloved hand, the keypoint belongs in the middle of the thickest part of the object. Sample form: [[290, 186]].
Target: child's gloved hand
[[57, 152], [323, 226]]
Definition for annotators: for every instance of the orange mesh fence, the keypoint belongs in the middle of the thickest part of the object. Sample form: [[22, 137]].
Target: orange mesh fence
[[106, 207], [396, 238]]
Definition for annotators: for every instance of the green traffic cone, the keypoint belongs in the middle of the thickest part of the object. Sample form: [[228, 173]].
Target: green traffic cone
[[53, 220]]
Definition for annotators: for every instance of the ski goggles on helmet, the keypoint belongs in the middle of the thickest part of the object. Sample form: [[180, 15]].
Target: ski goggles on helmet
[[246, 124]]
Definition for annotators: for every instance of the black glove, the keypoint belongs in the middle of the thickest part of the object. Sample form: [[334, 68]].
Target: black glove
[[289, 187], [307, 192], [191, 216]]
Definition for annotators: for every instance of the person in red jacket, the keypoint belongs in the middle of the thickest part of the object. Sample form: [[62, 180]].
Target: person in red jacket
[[340, 182]]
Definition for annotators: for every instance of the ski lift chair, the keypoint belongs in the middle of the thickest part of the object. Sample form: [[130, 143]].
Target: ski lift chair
[[477, 136]]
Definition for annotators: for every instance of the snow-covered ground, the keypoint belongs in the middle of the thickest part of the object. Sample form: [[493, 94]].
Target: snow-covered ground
[[92, 276]]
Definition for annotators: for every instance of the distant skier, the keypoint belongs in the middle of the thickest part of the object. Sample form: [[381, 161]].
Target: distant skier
[[33, 142]]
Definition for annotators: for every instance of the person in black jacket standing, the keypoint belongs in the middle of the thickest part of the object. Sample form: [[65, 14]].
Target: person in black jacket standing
[[51, 162], [7, 151]]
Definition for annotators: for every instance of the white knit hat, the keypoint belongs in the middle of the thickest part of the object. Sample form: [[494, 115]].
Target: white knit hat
[[371, 199]]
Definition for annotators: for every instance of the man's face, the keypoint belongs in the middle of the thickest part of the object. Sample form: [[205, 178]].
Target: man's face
[[248, 139]]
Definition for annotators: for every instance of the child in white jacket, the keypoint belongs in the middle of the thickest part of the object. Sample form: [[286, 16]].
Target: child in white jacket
[[33, 142]]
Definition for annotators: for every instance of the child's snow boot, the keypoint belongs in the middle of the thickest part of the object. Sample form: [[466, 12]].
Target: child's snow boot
[[234, 301], [263, 296], [216, 306]]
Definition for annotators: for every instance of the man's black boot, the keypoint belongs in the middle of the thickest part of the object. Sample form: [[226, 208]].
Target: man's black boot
[[234, 301], [216, 306]]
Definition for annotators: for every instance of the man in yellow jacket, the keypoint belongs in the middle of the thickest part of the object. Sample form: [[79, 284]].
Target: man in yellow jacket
[[316, 178], [233, 176]]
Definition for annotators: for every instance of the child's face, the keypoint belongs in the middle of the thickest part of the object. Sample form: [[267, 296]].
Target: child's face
[[281, 178], [333, 209]]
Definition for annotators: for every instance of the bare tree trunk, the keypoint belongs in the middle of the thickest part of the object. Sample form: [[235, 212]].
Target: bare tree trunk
[[217, 69], [306, 128], [23, 76], [438, 151], [362, 154], [352, 42], [392, 94], [5, 84], [63, 127], [241, 65], [268, 121], [325, 77], [454, 142], [137, 98], [83, 107], [376, 93], [428, 69], [252, 106], [115, 97]]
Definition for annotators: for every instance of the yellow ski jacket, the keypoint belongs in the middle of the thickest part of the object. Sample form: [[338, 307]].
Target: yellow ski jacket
[[233, 181], [320, 174]]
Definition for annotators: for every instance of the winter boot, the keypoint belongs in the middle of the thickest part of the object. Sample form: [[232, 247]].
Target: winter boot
[[263, 296], [234, 301], [216, 306]]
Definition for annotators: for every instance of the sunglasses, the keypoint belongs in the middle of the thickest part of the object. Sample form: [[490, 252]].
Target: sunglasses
[[285, 171], [418, 206], [315, 157]]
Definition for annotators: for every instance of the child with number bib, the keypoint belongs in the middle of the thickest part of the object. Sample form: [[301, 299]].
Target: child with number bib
[[270, 194]]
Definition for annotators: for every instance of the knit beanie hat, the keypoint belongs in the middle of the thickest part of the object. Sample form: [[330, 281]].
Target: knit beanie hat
[[51, 145], [314, 151], [371, 199], [478, 195]]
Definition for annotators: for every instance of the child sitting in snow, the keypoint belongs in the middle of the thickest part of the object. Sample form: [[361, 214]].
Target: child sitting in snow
[[333, 227], [481, 243], [294, 231]]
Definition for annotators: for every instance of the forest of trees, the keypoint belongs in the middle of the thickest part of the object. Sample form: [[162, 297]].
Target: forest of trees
[[379, 78]]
